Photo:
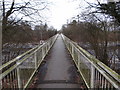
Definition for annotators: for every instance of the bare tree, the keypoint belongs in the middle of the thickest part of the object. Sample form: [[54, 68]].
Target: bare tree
[[27, 9], [110, 8], [14, 12], [16, 31]]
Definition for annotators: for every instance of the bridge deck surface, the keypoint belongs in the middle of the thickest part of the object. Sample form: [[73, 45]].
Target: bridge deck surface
[[59, 70]]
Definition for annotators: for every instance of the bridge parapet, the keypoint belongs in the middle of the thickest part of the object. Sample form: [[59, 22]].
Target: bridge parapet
[[94, 73], [18, 72]]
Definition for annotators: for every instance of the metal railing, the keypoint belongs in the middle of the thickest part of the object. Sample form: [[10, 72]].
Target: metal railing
[[94, 73], [18, 72]]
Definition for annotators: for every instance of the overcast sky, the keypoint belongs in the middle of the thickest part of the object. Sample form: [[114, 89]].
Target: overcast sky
[[63, 10]]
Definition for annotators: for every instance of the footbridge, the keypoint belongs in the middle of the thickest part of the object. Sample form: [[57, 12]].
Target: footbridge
[[58, 63]]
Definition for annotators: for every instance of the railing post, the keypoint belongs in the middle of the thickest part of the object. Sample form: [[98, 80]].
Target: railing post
[[73, 52], [18, 77], [70, 48], [92, 77], [35, 58], [79, 62], [43, 52]]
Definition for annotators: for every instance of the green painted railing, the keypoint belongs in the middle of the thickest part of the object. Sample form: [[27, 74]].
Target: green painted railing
[[94, 73], [18, 72]]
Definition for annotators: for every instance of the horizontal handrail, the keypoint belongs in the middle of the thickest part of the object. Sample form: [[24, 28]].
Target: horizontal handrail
[[18, 57], [99, 63]]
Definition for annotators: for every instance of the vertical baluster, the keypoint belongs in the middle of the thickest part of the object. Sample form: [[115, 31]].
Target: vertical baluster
[[40, 55], [35, 59], [70, 47], [92, 76], [72, 50], [15, 78], [78, 59], [28, 72], [74, 53], [105, 84], [95, 79], [48, 45], [102, 82], [79, 62], [98, 80], [25, 74], [108, 86], [19, 79], [42, 52], [7, 81], [11, 80]]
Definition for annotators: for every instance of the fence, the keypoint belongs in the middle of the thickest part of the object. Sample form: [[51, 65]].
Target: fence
[[18, 72], [94, 73]]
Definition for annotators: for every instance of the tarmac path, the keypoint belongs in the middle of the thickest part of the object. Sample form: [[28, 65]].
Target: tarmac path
[[59, 70]]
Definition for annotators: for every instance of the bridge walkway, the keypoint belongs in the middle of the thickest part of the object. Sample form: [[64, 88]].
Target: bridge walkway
[[58, 69]]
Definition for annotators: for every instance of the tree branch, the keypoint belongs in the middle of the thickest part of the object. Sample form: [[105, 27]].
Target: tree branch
[[11, 8]]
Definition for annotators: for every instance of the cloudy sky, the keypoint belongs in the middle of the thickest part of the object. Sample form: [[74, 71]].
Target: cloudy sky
[[63, 10]]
